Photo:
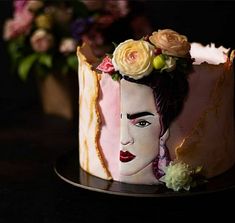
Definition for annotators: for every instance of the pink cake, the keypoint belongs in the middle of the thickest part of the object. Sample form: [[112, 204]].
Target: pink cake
[[159, 110]]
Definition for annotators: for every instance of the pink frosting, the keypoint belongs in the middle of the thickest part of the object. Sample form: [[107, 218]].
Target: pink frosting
[[109, 102]]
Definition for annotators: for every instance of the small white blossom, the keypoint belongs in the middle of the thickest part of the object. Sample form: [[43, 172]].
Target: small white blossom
[[178, 176], [170, 64]]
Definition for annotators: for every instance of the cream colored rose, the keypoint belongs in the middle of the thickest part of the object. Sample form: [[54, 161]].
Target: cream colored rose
[[171, 42], [133, 58], [177, 176]]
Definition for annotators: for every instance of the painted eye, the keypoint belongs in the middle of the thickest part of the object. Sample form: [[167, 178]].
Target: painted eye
[[142, 123]]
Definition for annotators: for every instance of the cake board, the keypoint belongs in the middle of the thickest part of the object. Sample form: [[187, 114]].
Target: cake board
[[67, 169]]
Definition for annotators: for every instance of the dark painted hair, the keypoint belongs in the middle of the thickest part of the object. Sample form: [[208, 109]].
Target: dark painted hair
[[170, 90]]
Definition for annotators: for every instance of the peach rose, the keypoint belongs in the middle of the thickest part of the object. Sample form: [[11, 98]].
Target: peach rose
[[133, 58], [171, 42]]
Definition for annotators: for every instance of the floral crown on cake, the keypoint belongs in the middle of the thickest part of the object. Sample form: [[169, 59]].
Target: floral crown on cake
[[163, 51]]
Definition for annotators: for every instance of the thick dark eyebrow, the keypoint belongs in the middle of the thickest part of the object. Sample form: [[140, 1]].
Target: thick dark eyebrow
[[139, 114]]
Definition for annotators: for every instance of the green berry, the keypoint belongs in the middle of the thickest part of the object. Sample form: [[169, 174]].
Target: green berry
[[158, 62]]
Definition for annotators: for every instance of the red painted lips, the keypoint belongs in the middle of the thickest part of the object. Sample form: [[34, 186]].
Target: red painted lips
[[126, 156]]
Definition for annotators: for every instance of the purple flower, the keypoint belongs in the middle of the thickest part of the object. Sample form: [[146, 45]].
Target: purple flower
[[79, 26]]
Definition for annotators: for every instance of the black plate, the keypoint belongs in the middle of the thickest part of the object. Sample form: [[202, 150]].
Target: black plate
[[68, 169]]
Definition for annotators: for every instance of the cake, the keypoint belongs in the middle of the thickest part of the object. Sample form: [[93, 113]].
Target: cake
[[158, 110]]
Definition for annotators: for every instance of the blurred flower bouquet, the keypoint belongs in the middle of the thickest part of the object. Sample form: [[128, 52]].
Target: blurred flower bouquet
[[42, 38], [43, 35]]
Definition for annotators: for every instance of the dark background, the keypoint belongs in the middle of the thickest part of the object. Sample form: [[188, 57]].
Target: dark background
[[30, 142], [200, 21]]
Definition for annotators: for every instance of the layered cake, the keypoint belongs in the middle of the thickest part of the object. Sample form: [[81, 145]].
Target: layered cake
[[158, 110]]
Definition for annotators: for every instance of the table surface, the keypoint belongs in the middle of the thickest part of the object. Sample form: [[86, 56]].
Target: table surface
[[30, 191]]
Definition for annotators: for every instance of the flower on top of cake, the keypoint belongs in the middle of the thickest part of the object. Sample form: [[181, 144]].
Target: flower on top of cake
[[165, 50]]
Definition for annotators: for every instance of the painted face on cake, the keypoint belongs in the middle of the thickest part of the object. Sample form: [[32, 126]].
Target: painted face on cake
[[140, 128]]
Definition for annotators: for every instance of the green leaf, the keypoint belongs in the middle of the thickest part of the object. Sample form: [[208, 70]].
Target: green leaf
[[14, 51], [46, 60], [116, 77], [109, 55], [114, 44], [25, 66], [72, 62], [40, 71]]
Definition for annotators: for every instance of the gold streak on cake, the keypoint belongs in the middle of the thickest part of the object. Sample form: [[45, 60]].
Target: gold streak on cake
[[87, 155], [93, 108], [181, 144], [194, 149], [89, 117]]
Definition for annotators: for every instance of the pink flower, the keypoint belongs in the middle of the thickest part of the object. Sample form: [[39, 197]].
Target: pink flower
[[106, 66], [67, 46], [21, 23], [41, 41], [20, 5]]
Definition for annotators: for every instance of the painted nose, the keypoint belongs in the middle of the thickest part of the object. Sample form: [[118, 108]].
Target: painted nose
[[126, 138], [126, 141]]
